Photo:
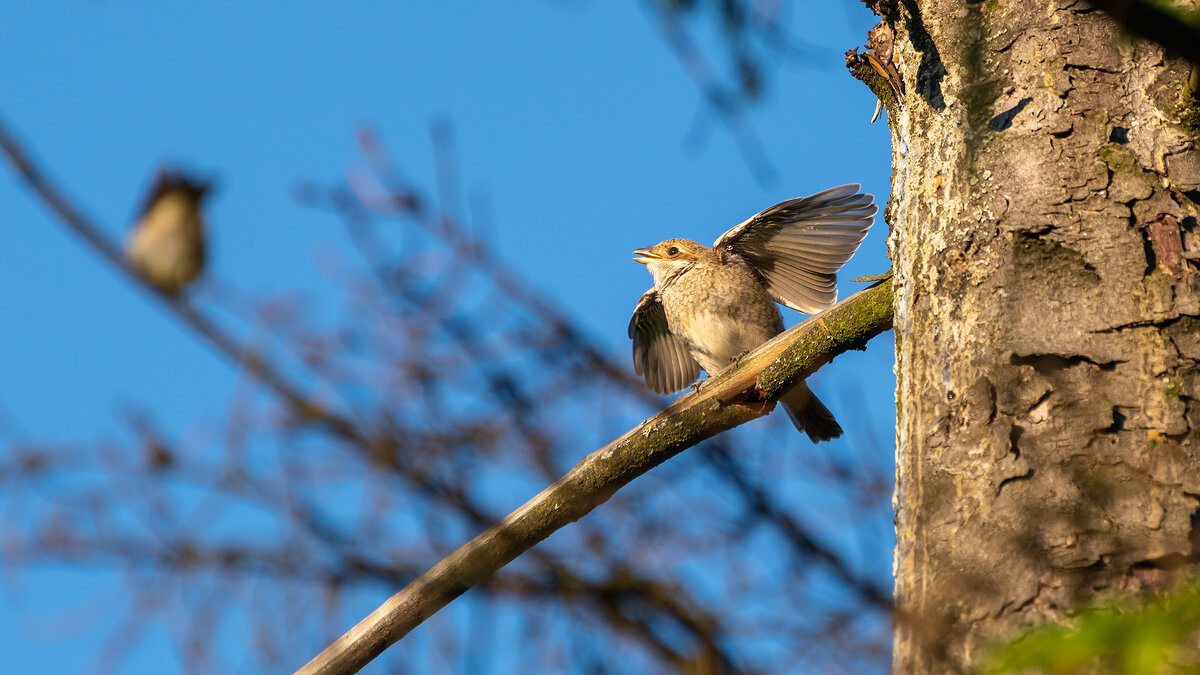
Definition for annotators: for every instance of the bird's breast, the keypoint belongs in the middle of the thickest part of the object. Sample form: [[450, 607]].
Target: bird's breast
[[167, 244], [715, 339], [720, 315]]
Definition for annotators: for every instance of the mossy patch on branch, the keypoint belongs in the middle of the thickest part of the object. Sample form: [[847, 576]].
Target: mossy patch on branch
[[846, 326]]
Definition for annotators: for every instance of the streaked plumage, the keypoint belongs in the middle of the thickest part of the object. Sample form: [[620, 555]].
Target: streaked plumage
[[709, 306]]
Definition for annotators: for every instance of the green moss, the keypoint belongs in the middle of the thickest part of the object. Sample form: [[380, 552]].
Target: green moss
[[1141, 636], [1189, 112], [1121, 159], [1117, 157], [850, 325], [879, 86], [1128, 175]]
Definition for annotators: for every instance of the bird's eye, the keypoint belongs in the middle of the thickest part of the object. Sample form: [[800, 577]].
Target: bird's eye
[[674, 250]]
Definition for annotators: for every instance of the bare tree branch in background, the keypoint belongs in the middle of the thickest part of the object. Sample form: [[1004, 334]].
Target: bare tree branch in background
[[726, 102], [729, 91], [437, 428]]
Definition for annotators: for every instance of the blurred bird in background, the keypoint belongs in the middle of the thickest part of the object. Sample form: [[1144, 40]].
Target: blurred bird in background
[[709, 306], [166, 244]]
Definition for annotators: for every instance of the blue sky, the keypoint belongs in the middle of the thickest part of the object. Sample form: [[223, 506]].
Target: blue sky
[[573, 121]]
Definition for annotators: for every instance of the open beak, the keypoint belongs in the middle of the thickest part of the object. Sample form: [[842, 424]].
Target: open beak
[[645, 256]]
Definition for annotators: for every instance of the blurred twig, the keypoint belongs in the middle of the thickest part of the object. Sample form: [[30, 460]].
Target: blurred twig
[[728, 103]]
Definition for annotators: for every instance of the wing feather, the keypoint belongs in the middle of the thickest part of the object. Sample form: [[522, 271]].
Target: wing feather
[[660, 357], [799, 245]]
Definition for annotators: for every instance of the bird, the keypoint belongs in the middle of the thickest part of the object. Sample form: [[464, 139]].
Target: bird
[[710, 306], [166, 244]]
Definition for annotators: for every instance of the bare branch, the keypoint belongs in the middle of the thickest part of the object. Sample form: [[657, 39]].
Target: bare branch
[[724, 101], [742, 393]]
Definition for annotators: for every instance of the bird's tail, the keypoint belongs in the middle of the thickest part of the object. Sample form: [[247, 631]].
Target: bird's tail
[[809, 415]]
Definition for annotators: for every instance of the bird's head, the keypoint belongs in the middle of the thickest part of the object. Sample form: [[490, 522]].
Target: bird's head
[[668, 258], [194, 188]]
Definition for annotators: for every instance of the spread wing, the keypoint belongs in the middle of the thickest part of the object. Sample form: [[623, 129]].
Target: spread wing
[[657, 354], [799, 245]]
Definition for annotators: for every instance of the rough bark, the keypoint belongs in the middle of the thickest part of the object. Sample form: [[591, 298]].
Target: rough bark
[[1043, 216]]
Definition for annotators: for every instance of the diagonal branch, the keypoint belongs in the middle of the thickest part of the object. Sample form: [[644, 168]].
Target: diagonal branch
[[357, 205], [739, 394]]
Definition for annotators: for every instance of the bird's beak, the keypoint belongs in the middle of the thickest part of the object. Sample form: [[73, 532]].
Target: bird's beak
[[645, 256]]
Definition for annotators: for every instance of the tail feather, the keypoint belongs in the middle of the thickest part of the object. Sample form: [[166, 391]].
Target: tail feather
[[809, 415]]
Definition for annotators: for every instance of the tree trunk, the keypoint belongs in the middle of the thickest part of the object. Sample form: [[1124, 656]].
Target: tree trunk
[[1047, 318]]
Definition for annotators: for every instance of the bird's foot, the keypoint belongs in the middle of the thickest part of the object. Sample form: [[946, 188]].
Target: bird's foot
[[738, 359]]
